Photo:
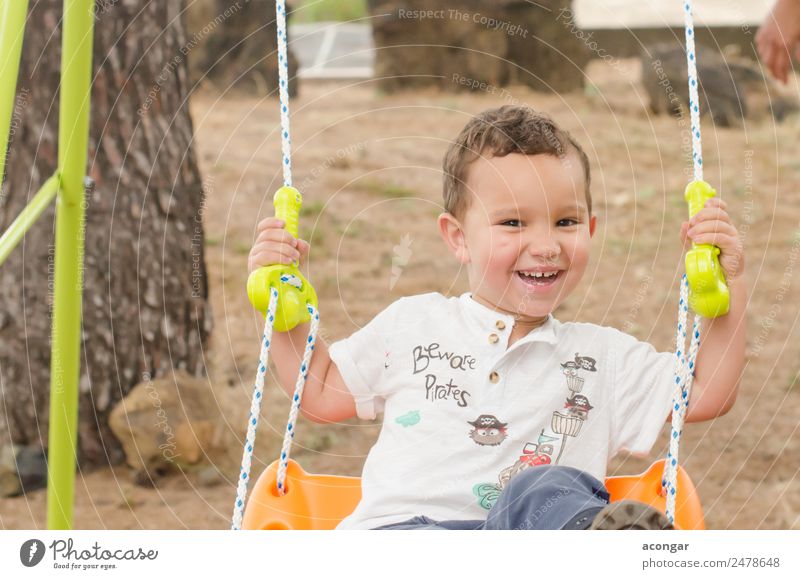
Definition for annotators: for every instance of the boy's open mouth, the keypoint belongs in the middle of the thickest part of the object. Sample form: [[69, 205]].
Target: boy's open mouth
[[539, 278]]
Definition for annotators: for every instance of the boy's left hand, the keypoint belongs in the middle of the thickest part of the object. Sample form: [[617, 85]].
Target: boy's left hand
[[713, 225]]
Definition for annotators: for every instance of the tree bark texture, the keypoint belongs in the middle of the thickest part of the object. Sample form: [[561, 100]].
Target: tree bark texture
[[477, 44], [145, 301], [237, 45]]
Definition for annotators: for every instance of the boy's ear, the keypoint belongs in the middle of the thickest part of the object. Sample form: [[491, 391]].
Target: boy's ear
[[592, 225], [453, 236]]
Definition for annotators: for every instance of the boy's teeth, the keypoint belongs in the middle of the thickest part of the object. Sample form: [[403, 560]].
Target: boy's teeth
[[538, 274]]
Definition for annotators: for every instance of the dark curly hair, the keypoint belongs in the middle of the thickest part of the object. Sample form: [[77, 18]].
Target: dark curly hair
[[498, 132]]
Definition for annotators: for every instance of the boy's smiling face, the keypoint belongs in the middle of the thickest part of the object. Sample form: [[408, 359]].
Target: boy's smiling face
[[525, 235]]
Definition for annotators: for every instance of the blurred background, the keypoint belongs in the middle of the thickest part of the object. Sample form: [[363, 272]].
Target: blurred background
[[185, 154]]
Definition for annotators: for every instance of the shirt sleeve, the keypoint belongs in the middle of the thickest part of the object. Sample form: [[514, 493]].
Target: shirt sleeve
[[643, 389], [362, 361]]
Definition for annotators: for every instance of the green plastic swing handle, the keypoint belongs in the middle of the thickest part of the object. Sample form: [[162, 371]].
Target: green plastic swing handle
[[292, 307], [708, 293]]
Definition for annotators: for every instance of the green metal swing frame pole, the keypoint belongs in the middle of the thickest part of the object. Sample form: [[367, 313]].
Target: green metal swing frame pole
[[12, 27], [73, 142], [67, 185]]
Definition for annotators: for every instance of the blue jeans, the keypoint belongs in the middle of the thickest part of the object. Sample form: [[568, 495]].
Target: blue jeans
[[538, 498]]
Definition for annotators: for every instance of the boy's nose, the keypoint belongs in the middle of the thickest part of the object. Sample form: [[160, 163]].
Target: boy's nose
[[544, 246]]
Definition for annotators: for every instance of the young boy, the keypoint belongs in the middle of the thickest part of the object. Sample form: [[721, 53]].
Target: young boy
[[497, 415]]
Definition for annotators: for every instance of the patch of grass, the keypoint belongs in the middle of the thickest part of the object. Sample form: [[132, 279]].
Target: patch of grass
[[328, 284], [677, 201], [213, 241], [321, 441], [353, 230], [325, 10], [617, 246], [317, 239], [128, 500], [311, 208], [240, 248], [793, 384], [389, 190], [645, 193]]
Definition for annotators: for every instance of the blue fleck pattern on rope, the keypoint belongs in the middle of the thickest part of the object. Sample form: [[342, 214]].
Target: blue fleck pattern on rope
[[694, 101], [252, 422], [684, 360], [296, 399], [255, 411], [684, 375], [283, 90]]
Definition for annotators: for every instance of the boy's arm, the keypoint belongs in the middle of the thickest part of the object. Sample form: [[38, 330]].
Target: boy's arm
[[720, 359], [326, 398]]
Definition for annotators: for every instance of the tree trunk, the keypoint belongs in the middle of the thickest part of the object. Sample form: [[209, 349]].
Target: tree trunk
[[145, 301], [237, 45], [478, 45]]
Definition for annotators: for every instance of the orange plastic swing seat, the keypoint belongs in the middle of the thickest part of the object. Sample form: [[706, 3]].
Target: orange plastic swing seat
[[320, 502]]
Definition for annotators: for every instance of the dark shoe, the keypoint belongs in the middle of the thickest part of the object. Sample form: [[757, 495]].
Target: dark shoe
[[630, 515]]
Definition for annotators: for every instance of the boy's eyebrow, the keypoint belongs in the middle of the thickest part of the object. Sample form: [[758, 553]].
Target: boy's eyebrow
[[504, 211], [576, 207], [516, 210]]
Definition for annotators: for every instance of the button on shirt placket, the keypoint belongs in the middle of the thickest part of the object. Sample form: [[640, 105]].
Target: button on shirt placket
[[499, 342]]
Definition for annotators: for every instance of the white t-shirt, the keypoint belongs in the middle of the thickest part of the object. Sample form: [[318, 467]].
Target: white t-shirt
[[463, 412]]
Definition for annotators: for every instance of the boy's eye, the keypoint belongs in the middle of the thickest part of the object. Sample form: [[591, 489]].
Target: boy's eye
[[567, 222], [512, 223]]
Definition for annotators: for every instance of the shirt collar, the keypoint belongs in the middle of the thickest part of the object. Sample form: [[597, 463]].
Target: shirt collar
[[487, 318]]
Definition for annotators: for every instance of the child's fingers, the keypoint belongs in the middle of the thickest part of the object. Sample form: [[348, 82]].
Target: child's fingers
[[762, 44], [685, 241], [710, 214], [770, 51], [270, 222], [277, 236], [271, 256], [778, 62], [711, 226], [765, 48], [303, 247], [716, 202], [276, 251], [724, 241]]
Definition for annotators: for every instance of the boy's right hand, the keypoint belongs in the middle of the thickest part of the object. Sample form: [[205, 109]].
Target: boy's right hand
[[274, 245]]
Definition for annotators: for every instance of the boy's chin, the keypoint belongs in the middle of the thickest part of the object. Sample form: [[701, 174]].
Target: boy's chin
[[535, 310], [528, 308], [525, 306]]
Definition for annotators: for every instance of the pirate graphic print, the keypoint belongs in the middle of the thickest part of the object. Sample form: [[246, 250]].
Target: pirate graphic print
[[566, 422], [488, 430]]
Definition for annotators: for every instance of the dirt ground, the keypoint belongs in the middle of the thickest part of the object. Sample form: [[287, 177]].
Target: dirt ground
[[369, 168]]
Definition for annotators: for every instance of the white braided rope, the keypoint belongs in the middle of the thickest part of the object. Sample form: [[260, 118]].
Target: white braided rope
[[297, 398], [684, 361], [694, 106], [283, 90], [684, 375], [255, 411], [252, 423]]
